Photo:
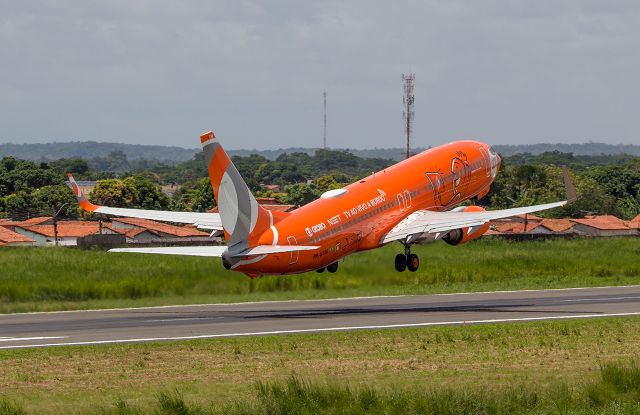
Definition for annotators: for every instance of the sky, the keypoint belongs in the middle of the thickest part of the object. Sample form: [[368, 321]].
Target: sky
[[162, 72]]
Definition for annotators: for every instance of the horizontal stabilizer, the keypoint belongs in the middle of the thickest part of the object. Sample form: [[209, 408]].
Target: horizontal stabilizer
[[216, 251], [211, 250], [274, 249]]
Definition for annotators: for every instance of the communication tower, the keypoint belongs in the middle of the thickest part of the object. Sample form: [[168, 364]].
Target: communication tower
[[407, 108]]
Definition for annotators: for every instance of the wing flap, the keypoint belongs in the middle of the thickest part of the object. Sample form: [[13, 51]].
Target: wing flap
[[430, 222]]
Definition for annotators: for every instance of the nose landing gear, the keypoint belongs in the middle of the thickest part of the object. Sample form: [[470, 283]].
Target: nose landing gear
[[407, 260]]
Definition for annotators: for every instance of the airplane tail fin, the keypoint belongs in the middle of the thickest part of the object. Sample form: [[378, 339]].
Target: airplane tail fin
[[242, 218]]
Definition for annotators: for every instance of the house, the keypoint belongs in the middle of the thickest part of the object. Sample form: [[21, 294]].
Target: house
[[553, 227], [11, 238], [170, 189], [604, 225], [272, 187], [633, 223], [11, 225], [499, 228], [149, 231], [68, 232]]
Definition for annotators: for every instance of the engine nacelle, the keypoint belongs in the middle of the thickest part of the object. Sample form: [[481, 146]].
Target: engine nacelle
[[462, 236]]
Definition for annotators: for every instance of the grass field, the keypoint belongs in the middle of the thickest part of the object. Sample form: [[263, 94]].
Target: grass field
[[34, 279], [579, 366]]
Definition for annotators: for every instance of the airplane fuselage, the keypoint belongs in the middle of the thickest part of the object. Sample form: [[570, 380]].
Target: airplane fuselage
[[356, 217]]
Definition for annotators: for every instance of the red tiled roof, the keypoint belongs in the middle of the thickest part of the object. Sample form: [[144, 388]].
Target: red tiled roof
[[515, 227], [530, 217], [7, 236], [66, 229], [28, 222], [181, 231], [557, 225], [604, 222], [633, 223]]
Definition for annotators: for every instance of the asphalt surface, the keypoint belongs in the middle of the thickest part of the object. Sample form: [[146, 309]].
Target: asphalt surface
[[281, 317]]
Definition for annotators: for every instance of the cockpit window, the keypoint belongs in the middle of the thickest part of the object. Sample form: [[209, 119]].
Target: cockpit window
[[492, 152]]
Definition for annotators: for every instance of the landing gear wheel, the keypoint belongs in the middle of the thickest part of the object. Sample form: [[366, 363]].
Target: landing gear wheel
[[413, 262], [332, 267], [401, 262], [320, 270]]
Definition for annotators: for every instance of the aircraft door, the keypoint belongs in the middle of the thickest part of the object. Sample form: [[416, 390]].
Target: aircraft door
[[400, 201], [407, 199], [486, 161], [404, 200], [294, 254]]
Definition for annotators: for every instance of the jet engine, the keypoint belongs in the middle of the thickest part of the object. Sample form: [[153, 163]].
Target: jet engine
[[463, 235]]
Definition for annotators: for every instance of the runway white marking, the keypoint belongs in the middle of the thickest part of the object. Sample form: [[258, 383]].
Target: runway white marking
[[320, 330], [22, 339], [373, 297], [184, 319], [578, 300]]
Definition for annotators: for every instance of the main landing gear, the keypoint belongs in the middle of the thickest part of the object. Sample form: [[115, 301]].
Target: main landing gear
[[407, 260], [331, 268]]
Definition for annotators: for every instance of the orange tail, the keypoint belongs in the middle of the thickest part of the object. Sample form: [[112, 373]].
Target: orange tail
[[242, 218]]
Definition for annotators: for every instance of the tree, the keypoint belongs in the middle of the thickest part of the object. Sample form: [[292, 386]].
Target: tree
[[324, 183], [52, 198], [114, 192], [203, 200], [147, 194], [74, 165], [301, 193], [21, 205]]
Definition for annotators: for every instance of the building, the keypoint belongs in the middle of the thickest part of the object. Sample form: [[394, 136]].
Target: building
[[604, 225], [170, 189], [272, 187], [141, 231], [11, 225], [553, 227], [633, 223], [68, 232], [11, 238]]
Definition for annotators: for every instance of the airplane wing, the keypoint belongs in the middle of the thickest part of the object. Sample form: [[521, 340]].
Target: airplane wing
[[424, 222], [208, 221], [216, 251]]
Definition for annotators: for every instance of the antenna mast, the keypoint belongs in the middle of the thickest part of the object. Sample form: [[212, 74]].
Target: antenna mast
[[407, 104], [324, 131]]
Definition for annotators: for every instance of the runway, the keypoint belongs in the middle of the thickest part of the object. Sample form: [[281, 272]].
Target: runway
[[30, 330]]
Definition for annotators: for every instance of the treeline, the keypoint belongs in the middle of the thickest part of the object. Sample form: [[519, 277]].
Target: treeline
[[605, 184], [612, 188], [90, 149], [173, 154]]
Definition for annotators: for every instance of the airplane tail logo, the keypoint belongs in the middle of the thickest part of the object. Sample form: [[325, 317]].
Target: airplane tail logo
[[242, 218]]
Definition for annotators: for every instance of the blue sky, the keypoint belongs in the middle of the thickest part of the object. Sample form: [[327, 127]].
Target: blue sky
[[161, 72]]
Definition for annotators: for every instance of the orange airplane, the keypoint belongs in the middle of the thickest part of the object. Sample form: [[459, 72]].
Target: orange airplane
[[410, 202]]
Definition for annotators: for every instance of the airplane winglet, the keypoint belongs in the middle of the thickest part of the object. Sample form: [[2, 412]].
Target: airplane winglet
[[207, 138], [82, 200], [569, 188]]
